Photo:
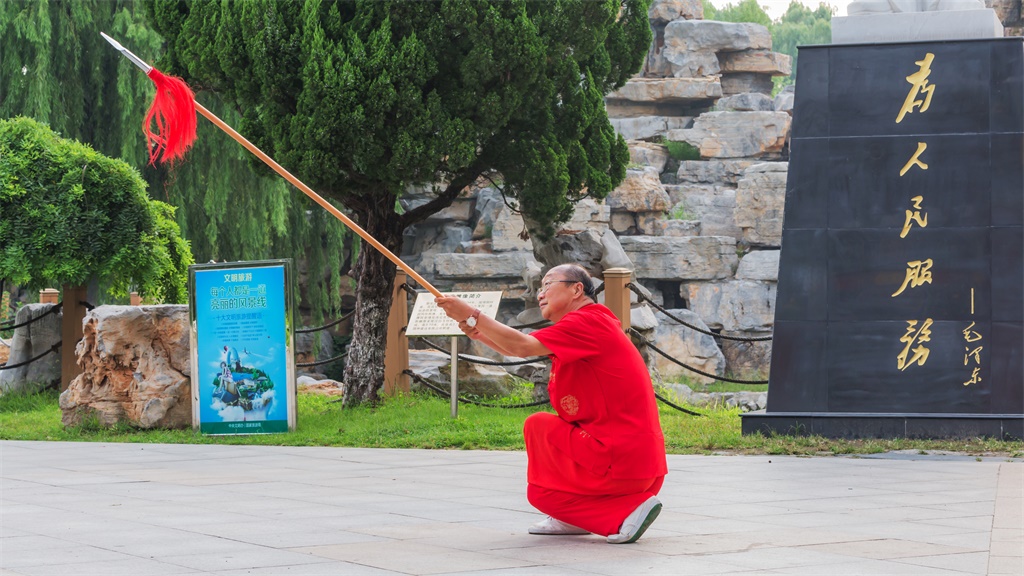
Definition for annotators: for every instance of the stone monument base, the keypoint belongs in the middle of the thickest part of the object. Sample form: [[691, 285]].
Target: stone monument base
[[875, 425], [916, 26]]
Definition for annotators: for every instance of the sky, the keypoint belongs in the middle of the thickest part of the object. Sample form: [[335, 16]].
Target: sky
[[776, 8]]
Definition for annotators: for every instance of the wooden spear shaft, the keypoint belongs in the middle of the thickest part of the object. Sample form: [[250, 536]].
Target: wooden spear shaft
[[315, 197], [284, 173]]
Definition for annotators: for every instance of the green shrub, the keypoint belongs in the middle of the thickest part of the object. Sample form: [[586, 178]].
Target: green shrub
[[681, 150], [69, 214], [680, 212]]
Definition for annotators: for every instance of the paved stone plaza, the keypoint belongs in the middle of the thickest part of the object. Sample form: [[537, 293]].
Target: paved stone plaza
[[144, 509]]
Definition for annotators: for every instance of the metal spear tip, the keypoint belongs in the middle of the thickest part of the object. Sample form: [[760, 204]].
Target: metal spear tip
[[113, 42], [127, 53]]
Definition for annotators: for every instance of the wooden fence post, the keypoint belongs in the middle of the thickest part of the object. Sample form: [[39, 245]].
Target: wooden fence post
[[616, 294], [49, 296], [73, 312], [396, 355]]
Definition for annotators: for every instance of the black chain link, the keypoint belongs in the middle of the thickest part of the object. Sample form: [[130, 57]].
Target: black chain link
[[646, 342], [485, 362], [53, 348], [537, 324], [644, 298], [56, 307], [436, 388], [325, 326], [320, 362], [680, 408]]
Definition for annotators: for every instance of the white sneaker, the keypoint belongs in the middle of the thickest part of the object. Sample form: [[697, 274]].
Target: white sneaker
[[551, 527], [634, 526]]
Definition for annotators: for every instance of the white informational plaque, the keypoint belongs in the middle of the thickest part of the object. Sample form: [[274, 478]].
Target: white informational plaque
[[428, 319]]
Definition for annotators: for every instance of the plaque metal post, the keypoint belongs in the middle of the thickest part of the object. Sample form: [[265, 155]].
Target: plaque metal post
[[455, 376]]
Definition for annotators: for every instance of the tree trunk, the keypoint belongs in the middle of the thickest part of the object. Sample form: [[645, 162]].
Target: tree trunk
[[364, 369]]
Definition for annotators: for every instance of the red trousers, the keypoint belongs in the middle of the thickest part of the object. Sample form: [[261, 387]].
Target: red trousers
[[569, 480]]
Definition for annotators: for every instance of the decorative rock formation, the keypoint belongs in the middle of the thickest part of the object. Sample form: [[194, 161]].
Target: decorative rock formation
[[135, 368], [31, 341]]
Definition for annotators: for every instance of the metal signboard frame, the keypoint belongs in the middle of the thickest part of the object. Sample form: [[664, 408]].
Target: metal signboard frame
[[242, 347]]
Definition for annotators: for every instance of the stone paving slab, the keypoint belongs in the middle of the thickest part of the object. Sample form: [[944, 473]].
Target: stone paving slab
[[182, 510]]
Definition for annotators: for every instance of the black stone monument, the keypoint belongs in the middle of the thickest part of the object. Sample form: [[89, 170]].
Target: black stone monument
[[900, 309]]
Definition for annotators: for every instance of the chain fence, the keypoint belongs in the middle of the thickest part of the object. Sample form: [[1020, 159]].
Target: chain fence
[[8, 366], [11, 325]]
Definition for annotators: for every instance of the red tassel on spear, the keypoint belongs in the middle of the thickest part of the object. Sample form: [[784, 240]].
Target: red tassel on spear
[[174, 109]]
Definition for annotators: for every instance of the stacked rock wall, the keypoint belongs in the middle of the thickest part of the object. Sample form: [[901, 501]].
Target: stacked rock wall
[[702, 235]]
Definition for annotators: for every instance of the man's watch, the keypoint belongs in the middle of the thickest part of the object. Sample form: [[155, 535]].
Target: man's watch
[[471, 321]]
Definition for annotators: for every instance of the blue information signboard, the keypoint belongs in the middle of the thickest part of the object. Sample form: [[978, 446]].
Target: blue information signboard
[[243, 361]]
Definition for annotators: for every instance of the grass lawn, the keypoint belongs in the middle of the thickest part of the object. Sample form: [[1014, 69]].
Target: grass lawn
[[421, 421]]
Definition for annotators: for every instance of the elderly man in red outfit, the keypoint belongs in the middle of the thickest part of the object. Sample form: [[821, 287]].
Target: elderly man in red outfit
[[597, 465]]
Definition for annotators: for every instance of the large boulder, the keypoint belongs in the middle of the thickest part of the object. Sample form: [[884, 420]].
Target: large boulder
[[647, 127], [660, 90], [686, 345], [714, 36], [736, 134], [135, 368], [687, 64], [588, 214], [713, 205], [663, 11], [648, 154], [760, 203], [507, 232], [735, 305], [759, 265], [641, 191], [759, 61], [748, 360], [681, 257], [724, 171], [469, 266], [29, 342], [741, 82], [746, 102], [474, 378], [584, 248]]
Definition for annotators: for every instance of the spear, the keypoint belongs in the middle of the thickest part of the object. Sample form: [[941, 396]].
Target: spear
[[172, 110]]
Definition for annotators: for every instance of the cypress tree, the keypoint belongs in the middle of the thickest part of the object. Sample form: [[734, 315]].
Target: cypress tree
[[363, 98]]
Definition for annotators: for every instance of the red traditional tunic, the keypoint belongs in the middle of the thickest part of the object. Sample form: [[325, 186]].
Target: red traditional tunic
[[604, 452]]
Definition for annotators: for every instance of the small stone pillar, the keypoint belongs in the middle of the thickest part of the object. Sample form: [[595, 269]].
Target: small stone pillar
[[396, 355], [136, 300], [49, 296], [73, 313], [616, 294]]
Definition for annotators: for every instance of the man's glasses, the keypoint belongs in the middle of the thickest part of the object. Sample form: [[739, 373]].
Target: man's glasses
[[547, 285]]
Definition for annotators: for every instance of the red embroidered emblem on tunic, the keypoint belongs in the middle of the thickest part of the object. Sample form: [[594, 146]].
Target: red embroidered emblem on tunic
[[570, 404]]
